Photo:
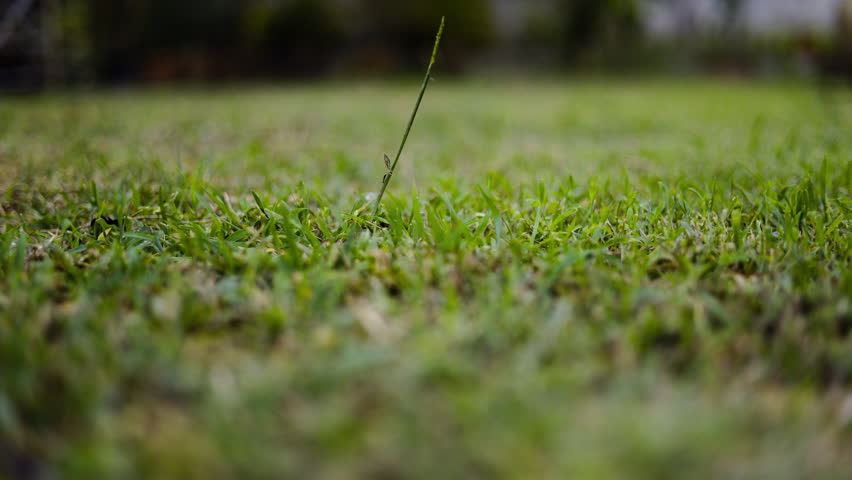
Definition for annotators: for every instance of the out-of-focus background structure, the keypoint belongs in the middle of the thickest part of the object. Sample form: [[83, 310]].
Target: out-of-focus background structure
[[51, 43]]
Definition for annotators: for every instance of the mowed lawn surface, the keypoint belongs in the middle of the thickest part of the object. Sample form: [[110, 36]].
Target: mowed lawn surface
[[575, 279]]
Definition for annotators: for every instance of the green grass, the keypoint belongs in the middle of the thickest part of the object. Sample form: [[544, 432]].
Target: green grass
[[569, 280]]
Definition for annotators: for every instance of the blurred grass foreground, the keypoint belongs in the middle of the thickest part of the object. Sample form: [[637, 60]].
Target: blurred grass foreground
[[613, 279]]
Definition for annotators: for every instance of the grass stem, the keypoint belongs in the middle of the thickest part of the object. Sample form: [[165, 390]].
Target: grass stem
[[426, 79]]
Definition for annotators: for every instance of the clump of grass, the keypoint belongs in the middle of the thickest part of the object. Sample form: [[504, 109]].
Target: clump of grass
[[391, 167]]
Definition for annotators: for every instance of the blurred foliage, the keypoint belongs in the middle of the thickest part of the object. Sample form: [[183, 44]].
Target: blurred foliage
[[591, 28], [150, 38], [408, 29], [299, 35], [153, 40], [586, 34], [128, 34]]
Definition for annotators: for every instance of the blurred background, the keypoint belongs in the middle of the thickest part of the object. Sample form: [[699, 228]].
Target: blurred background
[[62, 43]]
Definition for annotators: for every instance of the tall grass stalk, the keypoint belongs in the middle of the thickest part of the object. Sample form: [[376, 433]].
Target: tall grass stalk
[[391, 167]]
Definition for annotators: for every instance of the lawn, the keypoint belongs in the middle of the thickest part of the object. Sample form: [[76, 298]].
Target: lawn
[[568, 279]]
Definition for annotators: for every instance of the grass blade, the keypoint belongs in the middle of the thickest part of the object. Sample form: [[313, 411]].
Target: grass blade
[[426, 79]]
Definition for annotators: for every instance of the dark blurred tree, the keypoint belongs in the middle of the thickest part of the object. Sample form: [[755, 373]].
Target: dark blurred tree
[[69, 42], [212, 38], [302, 36], [125, 34], [599, 28], [731, 11], [11, 16], [191, 24], [115, 28], [843, 28], [838, 62], [408, 28], [21, 45]]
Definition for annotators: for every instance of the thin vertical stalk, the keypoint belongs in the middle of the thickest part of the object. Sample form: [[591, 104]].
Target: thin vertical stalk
[[426, 79]]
